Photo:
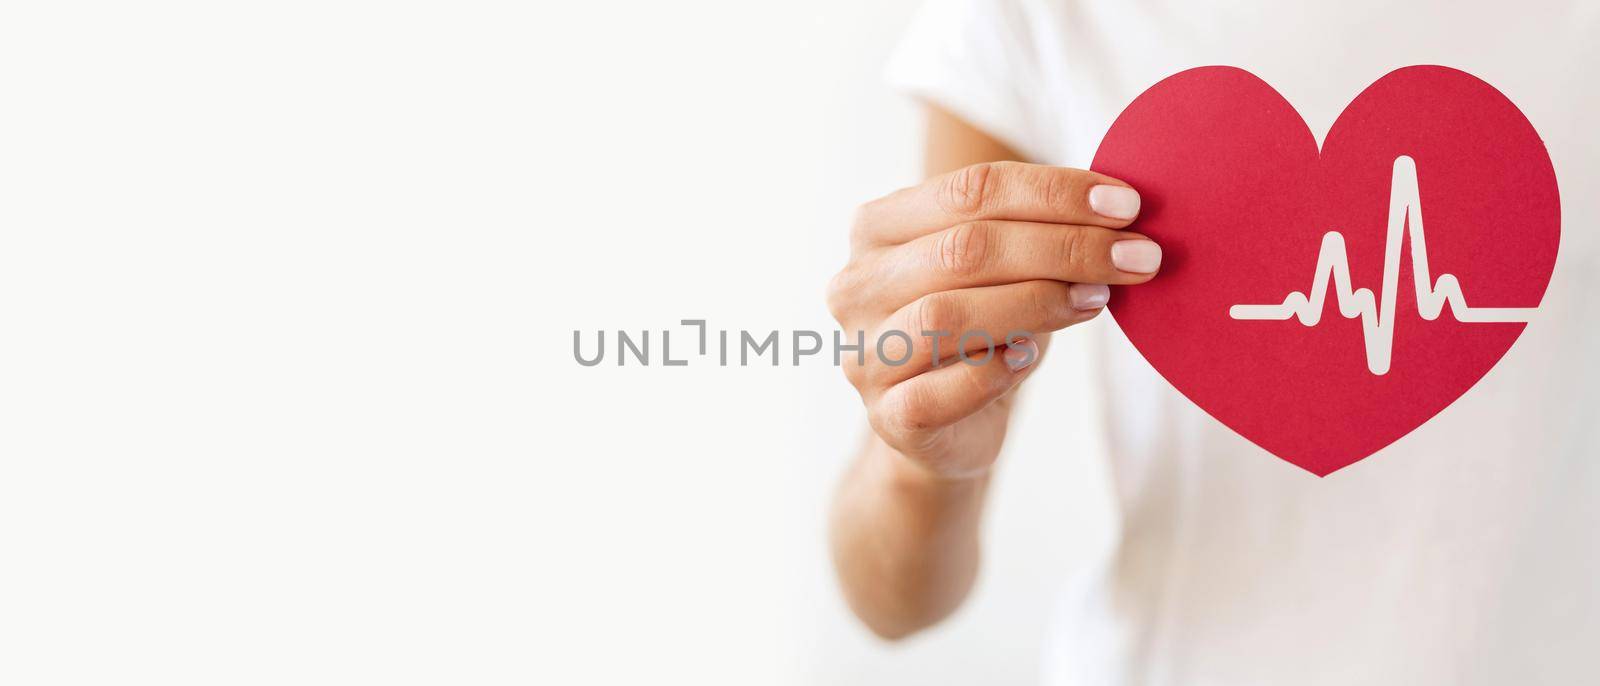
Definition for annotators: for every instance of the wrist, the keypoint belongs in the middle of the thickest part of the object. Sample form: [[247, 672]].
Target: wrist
[[908, 472]]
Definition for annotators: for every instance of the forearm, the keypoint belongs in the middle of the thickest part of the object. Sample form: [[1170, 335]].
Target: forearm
[[905, 541], [905, 538]]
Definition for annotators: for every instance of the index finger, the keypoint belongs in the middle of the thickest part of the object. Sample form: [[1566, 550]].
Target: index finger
[[999, 190]]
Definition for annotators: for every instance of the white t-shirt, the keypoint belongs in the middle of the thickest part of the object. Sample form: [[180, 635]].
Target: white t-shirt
[[1468, 552]]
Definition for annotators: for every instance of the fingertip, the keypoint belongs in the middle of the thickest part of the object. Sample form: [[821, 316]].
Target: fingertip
[[1140, 256], [1087, 297], [1114, 202], [1020, 354]]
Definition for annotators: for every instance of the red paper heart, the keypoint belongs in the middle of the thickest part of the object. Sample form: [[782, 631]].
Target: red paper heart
[[1240, 199]]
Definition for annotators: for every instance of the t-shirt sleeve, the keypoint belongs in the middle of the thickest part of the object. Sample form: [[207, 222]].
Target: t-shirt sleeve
[[976, 59]]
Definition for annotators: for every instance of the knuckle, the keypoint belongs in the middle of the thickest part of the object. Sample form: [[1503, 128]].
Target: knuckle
[[1049, 299], [854, 373], [861, 222], [1060, 187], [1076, 248], [839, 289], [964, 249], [935, 312], [904, 413], [966, 191], [889, 353]]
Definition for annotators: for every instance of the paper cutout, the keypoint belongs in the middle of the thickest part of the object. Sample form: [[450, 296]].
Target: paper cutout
[[1258, 227]]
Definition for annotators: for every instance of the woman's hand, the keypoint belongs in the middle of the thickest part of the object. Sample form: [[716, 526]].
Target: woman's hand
[[997, 248], [1006, 249]]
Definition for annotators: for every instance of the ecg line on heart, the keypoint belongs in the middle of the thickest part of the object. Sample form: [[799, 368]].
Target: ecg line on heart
[[1377, 325]]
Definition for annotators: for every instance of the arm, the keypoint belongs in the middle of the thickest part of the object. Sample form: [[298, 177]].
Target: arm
[[905, 542], [1000, 248]]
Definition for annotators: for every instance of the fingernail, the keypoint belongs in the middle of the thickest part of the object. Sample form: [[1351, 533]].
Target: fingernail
[[1020, 353], [1088, 296], [1137, 256], [1116, 202]]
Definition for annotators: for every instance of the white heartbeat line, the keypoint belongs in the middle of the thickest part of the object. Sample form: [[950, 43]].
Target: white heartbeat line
[[1405, 209]]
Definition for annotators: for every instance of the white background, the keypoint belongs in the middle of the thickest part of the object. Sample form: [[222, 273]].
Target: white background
[[287, 294]]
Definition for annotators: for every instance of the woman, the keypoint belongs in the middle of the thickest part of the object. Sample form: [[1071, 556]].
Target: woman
[[1467, 552]]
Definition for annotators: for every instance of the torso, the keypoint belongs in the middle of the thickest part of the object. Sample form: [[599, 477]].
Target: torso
[[1466, 552]]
